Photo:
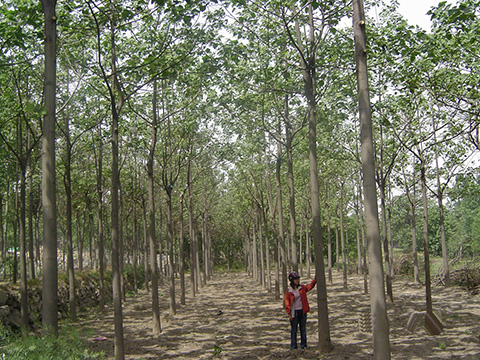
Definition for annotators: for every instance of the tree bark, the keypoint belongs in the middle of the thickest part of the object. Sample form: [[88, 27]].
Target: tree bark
[[380, 327], [426, 254], [171, 270], [411, 199], [50, 269], [69, 232], [182, 254], [100, 230], [308, 66], [157, 329], [446, 269], [281, 238], [342, 239], [291, 188]]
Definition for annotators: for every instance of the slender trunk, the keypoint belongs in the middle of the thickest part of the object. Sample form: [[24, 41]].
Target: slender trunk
[[69, 231], [101, 241], [291, 188], [342, 237], [260, 246], [388, 276], [411, 199], [171, 271], [267, 250], [329, 241], [441, 215], [30, 214], [308, 66], [271, 207], [254, 251], [359, 244], [121, 250], [23, 250], [426, 254], [381, 340], [281, 239], [308, 247], [337, 249], [135, 248], [182, 255], [300, 253], [115, 209], [157, 329], [50, 269], [15, 229], [193, 267], [145, 246]]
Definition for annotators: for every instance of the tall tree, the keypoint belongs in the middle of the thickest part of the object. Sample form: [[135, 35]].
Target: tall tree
[[309, 73], [151, 212], [381, 338], [50, 270]]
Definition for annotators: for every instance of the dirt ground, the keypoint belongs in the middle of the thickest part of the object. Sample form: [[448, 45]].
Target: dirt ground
[[251, 324]]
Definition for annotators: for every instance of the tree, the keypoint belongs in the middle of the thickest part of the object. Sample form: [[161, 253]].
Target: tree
[[381, 342], [50, 271], [151, 211]]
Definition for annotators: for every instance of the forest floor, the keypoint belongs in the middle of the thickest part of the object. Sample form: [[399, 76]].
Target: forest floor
[[253, 324]]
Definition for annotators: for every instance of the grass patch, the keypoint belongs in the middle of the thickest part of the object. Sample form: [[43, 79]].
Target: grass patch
[[68, 346]]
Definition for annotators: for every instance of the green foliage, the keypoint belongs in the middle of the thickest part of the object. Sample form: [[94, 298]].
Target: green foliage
[[128, 272], [68, 346], [217, 350]]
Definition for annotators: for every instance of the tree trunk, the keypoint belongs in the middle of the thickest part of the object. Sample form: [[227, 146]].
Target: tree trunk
[[23, 250], [426, 254], [329, 238], [381, 340], [337, 249], [388, 275], [115, 221], [271, 207], [446, 269], [30, 214], [50, 270], [342, 238], [308, 66], [157, 329], [193, 266], [171, 270], [267, 250], [260, 246], [308, 246], [359, 244], [412, 200], [121, 251], [101, 242], [291, 188], [69, 232], [182, 255], [281, 238], [146, 239]]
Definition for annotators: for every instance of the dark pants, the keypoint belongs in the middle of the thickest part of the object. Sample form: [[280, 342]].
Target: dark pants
[[299, 319]]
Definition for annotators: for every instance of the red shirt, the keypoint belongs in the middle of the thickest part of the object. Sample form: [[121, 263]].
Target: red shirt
[[290, 296]]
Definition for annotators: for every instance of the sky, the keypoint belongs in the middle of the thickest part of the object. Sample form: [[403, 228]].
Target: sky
[[415, 11]]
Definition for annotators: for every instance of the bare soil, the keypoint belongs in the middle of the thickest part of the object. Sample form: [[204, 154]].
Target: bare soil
[[234, 318]]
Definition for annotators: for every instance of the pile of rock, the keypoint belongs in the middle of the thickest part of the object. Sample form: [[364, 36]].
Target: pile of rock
[[10, 315], [88, 296]]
